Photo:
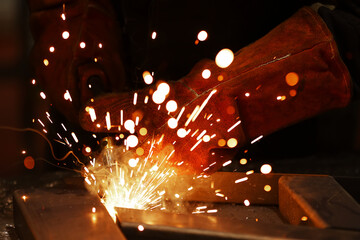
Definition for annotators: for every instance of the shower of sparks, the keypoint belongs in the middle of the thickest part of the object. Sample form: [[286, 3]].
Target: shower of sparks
[[131, 175]]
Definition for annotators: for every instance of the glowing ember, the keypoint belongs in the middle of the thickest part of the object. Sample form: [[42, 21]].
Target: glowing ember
[[141, 228], [46, 62], [52, 49], [82, 45], [267, 188], [153, 35], [224, 58], [42, 95], [246, 202]]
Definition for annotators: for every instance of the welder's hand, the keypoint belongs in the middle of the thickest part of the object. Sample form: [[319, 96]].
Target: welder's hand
[[76, 53], [191, 128], [293, 73]]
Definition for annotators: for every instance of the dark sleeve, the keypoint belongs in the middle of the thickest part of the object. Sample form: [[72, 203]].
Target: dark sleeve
[[344, 23]]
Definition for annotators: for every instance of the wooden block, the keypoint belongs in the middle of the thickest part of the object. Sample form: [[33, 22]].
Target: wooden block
[[139, 224], [320, 199], [62, 214]]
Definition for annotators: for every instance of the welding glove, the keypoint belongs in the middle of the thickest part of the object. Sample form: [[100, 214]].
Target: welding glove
[[76, 52], [293, 73]]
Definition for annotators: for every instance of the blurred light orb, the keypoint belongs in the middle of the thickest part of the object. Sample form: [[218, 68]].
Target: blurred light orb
[[202, 35], [224, 58], [292, 79], [171, 106], [132, 141], [82, 45], [158, 97], [133, 162], [265, 169], [164, 88], [181, 132], [246, 202], [206, 74], [172, 123], [148, 79], [206, 138], [129, 125], [232, 142], [143, 131], [52, 49], [65, 35]]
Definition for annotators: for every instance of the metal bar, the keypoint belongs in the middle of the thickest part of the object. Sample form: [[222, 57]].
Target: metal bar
[[44, 214], [139, 224], [319, 201]]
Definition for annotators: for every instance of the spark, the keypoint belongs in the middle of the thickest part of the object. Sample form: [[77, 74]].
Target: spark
[[192, 115], [148, 79], [181, 112], [204, 104], [33, 81], [265, 169], [63, 126], [42, 95], [153, 35], [241, 180], [206, 74], [67, 96], [190, 188], [243, 161], [224, 58], [177, 195], [304, 218], [82, 45], [267, 188], [92, 114], [257, 139], [146, 99], [232, 142], [65, 35], [250, 172], [171, 106], [181, 133], [227, 163], [247, 94], [246, 202], [220, 195], [234, 126], [201, 135], [74, 137], [201, 207], [42, 124], [93, 209], [202, 35], [100, 45], [135, 98], [46, 62], [121, 117], [130, 126], [24, 198], [108, 121], [163, 88], [51, 49], [196, 144], [63, 17], [132, 141], [212, 211], [172, 123], [206, 138], [141, 228]]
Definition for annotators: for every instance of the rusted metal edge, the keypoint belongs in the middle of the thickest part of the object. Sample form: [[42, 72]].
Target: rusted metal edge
[[162, 225], [318, 201], [44, 214]]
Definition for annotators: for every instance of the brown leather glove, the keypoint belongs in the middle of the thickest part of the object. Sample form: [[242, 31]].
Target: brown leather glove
[[292, 73], [77, 43]]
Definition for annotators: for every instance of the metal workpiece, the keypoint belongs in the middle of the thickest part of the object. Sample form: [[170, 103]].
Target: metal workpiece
[[319, 200], [74, 213], [44, 214]]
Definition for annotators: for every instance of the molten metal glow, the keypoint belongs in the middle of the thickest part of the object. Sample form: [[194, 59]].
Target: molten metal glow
[[224, 58]]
